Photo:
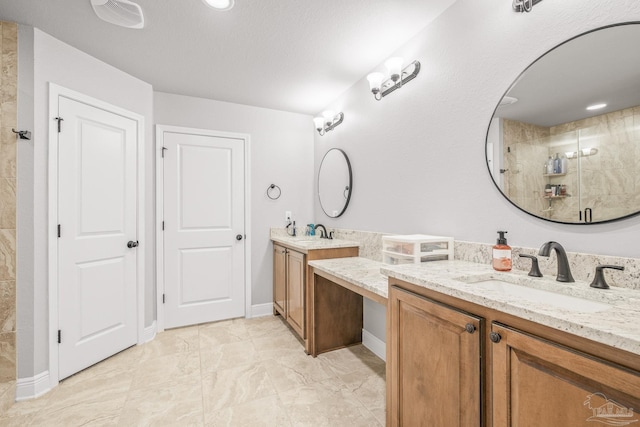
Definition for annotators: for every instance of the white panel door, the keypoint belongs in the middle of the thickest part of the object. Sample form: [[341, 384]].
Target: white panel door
[[203, 228], [97, 215]]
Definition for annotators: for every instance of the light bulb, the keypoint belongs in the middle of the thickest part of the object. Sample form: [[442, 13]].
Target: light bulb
[[375, 81], [394, 66], [318, 122], [219, 4], [328, 116]]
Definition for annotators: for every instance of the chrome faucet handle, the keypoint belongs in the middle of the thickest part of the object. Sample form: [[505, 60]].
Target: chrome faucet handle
[[599, 281], [535, 269]]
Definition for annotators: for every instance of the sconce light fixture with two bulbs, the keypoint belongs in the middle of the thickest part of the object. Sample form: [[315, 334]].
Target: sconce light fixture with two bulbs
[[382, 85], [328, 121]]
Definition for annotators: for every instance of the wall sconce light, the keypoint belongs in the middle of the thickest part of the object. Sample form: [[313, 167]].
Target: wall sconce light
[[381, 86], [524, 5], [328, 121]]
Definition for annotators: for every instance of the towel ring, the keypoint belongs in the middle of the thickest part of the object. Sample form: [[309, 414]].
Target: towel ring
[[271, 189]]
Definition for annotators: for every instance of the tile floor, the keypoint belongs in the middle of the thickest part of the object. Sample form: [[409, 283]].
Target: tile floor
[[241, 372]]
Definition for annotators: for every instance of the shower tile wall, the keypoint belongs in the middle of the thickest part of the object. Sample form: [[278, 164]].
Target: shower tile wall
[[8, 117], [609, 181], [525, 152]]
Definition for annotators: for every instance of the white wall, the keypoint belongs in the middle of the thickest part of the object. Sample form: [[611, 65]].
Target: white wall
[[418, 155], [57, 62], [281, 152]]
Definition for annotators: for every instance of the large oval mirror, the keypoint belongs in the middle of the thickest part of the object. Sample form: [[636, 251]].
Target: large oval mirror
[[334, 183], [564, 142]]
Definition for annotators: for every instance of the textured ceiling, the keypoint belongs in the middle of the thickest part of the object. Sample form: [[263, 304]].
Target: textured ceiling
[[292, 55]]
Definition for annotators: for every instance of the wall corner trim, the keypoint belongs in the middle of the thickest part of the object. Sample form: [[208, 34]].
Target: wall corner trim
[[261, 310], [32, 387], [148, 334], [375, 344]]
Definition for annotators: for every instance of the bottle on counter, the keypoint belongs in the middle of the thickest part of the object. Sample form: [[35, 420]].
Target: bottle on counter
[[501, 254]]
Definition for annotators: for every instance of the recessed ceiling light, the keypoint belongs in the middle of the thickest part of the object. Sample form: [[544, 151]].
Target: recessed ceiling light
[[219, 4], [596, 106]]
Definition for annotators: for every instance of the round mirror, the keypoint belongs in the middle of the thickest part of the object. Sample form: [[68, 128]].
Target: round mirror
[[564, 142], [334, 183]]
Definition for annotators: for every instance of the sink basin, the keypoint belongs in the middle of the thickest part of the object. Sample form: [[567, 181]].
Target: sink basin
[[564, 302]]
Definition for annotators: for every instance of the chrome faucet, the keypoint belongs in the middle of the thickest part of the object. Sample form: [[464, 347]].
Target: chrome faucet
[[564, 272], [323, 232]]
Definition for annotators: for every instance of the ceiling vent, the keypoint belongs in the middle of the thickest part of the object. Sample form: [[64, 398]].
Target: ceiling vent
[[119, 12]]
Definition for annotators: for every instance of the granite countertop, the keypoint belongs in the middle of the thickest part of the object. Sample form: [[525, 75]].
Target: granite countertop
[[617, 326], [362, 272], [309, 243]]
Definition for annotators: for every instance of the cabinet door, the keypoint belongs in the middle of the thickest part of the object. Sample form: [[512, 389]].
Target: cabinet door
[[435, 363], [279, 280], [295, 291], [538, 383]]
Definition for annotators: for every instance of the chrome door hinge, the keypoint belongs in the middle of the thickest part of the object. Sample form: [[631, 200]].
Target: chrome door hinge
[[163, 298], [59, 119], [59, 336], [163, 225], [59, 230]]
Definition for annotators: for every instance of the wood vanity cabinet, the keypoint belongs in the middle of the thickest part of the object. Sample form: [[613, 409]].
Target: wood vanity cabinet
[[509, 372], [540, 383], [295, 291], [288, 286], [435, 363], [290, 278], [279, 280]]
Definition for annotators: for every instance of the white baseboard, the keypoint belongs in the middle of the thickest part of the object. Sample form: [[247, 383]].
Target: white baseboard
[[32, 387], [375, 344], [261, 310], [148, 333]]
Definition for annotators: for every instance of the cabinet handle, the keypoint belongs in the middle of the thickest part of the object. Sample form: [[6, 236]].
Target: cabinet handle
[[495, 337], [470, 328]]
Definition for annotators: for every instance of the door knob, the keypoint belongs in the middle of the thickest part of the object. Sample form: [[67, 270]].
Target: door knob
[[239, 237], [132, 244]]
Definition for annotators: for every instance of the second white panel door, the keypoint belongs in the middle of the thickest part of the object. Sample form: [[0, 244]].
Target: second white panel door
[[204, 257]]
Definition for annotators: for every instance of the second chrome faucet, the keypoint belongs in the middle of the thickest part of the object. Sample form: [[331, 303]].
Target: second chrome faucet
[[323, 232]]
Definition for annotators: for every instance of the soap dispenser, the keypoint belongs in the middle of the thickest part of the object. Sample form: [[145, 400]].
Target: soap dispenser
[[501, 254]]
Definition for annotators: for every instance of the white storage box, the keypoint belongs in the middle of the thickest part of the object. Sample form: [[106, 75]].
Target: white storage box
[[416, 248]]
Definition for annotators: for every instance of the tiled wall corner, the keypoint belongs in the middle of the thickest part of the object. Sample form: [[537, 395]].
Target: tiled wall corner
[[8, 118]]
